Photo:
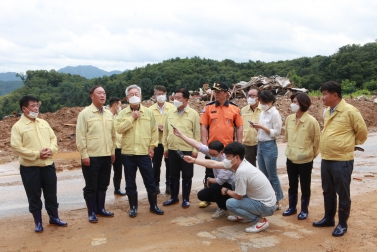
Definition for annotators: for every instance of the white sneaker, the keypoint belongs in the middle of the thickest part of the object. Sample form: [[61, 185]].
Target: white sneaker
[[220, 213], [278, 206], [259, 226], [237, 218]]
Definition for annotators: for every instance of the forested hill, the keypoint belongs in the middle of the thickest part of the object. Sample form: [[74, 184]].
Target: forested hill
[[355, 66]]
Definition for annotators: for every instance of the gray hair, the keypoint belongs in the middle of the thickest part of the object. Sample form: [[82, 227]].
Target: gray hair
[[131, 87]]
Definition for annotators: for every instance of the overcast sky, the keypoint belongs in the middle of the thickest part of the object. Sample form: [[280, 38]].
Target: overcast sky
[[119, 35]]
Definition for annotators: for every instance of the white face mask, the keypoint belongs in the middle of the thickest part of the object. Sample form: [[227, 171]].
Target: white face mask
[[251, 101], [119, 109], [228, 163], [177, 103], [32, 114], [161, 98], [294, 107], [264, 107], [134, 100], [216, 158]]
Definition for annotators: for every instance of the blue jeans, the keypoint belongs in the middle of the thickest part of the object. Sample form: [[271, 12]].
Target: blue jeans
[[249, 209], [267, 158], [144, 163]]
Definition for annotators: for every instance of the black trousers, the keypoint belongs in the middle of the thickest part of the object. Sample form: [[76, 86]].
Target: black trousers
[[213, 194], [144, 163], [208, 173], [336, 179], [178, 165], [302, 172], [37, 179], [251, 154], [157, 161], [97, 176], [117, 168]]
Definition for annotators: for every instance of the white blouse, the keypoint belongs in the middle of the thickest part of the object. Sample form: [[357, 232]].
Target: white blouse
[[272, 120]]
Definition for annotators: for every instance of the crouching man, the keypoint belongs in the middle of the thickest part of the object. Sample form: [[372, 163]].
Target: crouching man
[[253, 198], [34, 141]]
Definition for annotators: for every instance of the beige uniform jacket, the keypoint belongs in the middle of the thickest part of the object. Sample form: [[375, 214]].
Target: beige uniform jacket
[[138, 136], [160, 118], [95, 134], [29, 137], [187, 123], [302, 138], [343, 129], [249, 137]]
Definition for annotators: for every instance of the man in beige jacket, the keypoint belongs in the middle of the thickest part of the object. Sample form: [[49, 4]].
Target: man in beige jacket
[[34, 141], [344, 127], [95, 138]]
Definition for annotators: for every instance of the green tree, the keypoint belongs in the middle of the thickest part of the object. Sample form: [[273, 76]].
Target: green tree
[[297, 80], [146, 86], [348, 87], [370, 85]]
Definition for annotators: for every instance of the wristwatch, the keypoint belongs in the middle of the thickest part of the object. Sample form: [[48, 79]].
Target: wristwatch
[[226, 191]]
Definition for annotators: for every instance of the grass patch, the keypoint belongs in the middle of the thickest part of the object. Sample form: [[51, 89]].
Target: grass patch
[[315, 93], [355, 94]]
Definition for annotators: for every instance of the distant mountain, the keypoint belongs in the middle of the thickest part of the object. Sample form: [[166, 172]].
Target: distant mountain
[[8, 86], [9, 76], [88, 72]]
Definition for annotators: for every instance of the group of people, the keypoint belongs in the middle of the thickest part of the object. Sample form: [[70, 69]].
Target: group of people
[[233, 140]]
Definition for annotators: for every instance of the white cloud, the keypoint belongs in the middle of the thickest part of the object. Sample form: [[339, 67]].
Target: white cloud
[[125, 34]]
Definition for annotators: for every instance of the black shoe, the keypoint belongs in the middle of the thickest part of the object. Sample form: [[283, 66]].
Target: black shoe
[[119, 192], [38, 222], [152, 198], [156, 210], [330, 211], [292, 205], [101, 211], [133, 201], [186, 189], [341, 228], [91, 205], [54, 218], [170, 202], [174, 191], [325, 222], [133, 212], [304, 208]]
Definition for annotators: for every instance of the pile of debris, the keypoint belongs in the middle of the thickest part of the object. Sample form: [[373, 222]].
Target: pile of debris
[[365, 98], [202, 94], [278, 85]]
